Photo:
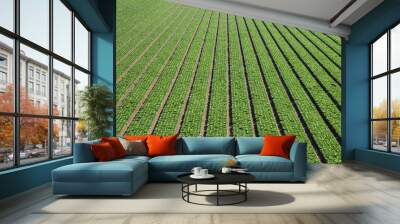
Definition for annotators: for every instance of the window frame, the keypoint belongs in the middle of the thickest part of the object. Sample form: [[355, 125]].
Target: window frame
[[16, 114], [388, 74]]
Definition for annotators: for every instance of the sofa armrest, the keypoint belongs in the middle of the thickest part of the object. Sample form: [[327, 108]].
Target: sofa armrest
[[298, 155], [83, 152]]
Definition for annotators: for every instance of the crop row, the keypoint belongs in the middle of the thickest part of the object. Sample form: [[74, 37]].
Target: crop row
[[326, 82], [335, 39], [323, 103], [324, 48], [155, 69], [197, 99], [142, 28], [138, 70], [327, 41], [130, 22], [287, 114], [324, 138], [217, 116], [332, 69], [241, 112], [171, 112], [142, 49], [262, 107], [147, 35]]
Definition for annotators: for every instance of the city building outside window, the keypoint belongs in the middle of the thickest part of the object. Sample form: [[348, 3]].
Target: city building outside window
[[52, 134]]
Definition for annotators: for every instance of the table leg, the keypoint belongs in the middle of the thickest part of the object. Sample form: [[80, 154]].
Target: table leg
[[217, 194], [245, 193]]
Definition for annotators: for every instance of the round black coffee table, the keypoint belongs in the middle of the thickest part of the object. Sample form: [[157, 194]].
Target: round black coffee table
[[238, 179]]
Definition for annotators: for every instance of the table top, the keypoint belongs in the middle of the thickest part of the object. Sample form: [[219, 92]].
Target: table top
[[220, 178]]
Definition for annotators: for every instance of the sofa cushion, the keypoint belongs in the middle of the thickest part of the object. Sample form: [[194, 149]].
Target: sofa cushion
[[257, 163], [116, 145], [103, 152], [277, 145], [207, 145], [185, 163], [161, 145], [249, 145], [112, 171]]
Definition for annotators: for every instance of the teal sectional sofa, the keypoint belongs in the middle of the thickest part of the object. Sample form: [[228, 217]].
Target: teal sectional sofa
[[125, 176]]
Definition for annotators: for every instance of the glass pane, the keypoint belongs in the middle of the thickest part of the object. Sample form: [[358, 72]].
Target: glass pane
[[6, 142], [395, 136], [81, 82], [62, 29], [35, 21], [62, 138], [81, 131], [379, 55], [379, 97], [7, 14], [395, 94], [34, 97], [379, 135], [33, 139], [395, 47], [62, 89], [6, 74], [81, 45]]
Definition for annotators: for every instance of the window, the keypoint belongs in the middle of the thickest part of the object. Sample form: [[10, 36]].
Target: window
[[49, 80], [385, 92], [81, 82], [81, 45], [44, 91], [6, 73], [3, 61], [62, 74], [37, 89], [34, 21], [30, 72], [62, 137], [62, 29], [6, 142], [7, 14], [3, 78], [30, 88]]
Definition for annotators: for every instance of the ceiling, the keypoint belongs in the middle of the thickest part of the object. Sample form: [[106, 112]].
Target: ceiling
[[329, 16]]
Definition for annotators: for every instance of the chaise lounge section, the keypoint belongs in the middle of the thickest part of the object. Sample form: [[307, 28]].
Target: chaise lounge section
[[125, 176]]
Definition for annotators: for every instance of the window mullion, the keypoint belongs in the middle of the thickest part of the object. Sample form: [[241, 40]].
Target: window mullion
[[389, 101], [16, 84], [73, 81], [50, 81]]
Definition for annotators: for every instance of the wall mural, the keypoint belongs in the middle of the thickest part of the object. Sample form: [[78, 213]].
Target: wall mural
[[198, 72]]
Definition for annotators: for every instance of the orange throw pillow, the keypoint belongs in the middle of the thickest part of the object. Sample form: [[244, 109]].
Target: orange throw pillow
[[116, 145], [277, 145], [136, 137], [103, 152], [161, 145]]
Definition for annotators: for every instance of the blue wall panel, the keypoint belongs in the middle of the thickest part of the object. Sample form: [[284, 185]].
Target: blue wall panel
[[356, 85], [24, 178]]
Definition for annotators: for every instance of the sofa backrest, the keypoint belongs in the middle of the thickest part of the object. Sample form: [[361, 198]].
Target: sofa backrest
[[206, 145], [83, 152], [249, 145]]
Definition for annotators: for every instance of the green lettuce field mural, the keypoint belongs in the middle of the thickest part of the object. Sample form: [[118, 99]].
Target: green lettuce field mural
[[198, 72]]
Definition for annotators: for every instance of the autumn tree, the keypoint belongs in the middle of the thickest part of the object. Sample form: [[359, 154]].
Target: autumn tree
[[380, 127], [33, 131]]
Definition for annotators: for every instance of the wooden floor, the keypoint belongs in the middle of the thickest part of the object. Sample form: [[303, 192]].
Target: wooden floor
[[379, 189]]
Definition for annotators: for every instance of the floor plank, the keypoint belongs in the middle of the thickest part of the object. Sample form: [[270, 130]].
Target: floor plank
[[378, 189]]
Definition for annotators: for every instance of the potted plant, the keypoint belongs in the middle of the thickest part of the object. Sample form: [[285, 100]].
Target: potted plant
[[97, 104]]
